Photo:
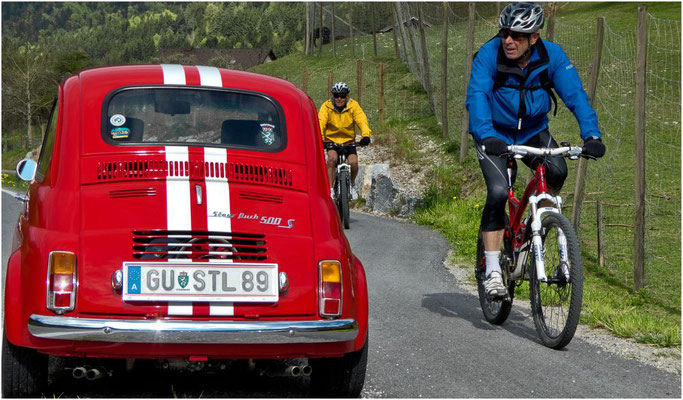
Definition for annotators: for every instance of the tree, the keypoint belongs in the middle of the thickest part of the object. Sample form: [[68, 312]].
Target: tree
[[24, 84]]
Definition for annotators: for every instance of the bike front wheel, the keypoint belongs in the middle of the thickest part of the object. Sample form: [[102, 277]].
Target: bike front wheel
[[556, 303], [343, 197]]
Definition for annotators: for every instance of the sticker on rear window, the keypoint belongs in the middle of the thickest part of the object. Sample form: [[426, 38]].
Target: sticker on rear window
[[117, 120], [267, 134], [120, 133]]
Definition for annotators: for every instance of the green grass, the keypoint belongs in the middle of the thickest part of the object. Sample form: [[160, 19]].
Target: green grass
[[650, 315]]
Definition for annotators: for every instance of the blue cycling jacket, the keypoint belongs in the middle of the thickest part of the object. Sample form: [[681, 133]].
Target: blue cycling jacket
[[495, 108]]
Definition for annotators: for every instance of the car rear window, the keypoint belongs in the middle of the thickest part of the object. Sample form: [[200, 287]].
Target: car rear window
[[197, 116]]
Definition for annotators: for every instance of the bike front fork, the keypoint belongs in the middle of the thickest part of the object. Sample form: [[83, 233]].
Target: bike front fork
[[537, 233]]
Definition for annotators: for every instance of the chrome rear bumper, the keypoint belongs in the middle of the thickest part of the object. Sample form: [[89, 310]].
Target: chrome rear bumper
[[187, 331]]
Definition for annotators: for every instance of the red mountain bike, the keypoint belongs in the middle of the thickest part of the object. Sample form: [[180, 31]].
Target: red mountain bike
[[541, 248]]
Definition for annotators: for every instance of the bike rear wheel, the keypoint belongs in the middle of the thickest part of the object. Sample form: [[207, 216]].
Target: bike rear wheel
[[496, 311], [556, 304], [343, 197]]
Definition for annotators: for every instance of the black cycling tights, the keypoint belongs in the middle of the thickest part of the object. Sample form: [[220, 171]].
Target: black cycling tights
[[495, 175]]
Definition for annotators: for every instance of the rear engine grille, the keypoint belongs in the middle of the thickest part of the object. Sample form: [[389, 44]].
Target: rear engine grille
[[198, 245], [147, 169], [245, 195], [118, 194]]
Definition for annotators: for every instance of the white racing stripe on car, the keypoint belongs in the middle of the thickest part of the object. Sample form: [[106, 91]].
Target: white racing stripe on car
[[184, 308], [174, 74], [217, 212], [221, 309], [178, 213], [209, 76]]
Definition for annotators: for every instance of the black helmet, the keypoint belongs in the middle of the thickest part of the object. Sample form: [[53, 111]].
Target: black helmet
[[340, 87], [522, 17]]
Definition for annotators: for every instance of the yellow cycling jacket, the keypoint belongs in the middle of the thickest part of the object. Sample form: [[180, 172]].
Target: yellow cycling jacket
[[337, 126]]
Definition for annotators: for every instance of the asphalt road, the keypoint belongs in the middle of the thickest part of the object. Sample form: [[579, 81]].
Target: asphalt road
[[428, 338]]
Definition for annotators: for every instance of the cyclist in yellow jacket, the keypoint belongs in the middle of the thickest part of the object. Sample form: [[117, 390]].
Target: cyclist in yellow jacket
[[337, 117]]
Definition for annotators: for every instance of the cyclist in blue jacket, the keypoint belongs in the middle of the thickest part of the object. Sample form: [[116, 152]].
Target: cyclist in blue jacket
[[508, 98]]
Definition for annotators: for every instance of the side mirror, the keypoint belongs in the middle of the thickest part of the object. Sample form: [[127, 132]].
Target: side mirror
[[26, 169]]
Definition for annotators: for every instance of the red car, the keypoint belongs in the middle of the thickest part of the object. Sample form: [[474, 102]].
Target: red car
[[182, 213]]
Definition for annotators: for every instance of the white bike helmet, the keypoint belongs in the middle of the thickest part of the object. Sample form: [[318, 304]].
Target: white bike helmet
[[522, 17], [340, 87]]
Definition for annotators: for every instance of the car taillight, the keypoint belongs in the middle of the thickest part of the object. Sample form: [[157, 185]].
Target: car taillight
[[330, 289], [61, 281]]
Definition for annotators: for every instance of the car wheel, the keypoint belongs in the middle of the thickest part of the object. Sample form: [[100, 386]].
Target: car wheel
[[340, 377], [24, 371]]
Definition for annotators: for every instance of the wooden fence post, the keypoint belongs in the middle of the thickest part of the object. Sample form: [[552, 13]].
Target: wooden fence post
[[444, 72], [307, 40], [468, 69], [334, 42], [374, 28], [601, 234], [380, 101], [330, 81], [304, 80], [353, 42], [580, 187], [425, 60], [393, 31], [641, 91], [412, 35], [402, 30], [359, 81], [550, 30], [320, 50]]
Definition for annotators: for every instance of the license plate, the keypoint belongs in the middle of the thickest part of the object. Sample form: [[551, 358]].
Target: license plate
[[149, 281]]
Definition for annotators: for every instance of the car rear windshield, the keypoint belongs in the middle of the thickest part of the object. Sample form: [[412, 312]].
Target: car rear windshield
[[198, 116]]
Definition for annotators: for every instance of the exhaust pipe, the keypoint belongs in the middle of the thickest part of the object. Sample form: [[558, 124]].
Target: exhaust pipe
[[93, 374], [292, 370], [306, 370], [78, 372]]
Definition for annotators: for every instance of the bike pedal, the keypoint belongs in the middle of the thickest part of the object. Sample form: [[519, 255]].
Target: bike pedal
[[495, 297]]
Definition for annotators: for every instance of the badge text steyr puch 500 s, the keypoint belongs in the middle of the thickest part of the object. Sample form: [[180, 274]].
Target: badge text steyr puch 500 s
[[265, 220]]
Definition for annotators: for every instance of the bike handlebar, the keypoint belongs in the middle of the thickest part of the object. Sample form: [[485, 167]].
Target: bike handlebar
[[569, 151], [329, 145], [572, 152]]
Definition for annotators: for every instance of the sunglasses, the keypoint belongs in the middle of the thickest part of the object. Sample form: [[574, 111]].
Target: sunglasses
[[339, 96], [504, 33]]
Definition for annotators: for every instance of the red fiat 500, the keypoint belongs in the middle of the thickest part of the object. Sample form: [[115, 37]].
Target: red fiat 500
[[182, 213]]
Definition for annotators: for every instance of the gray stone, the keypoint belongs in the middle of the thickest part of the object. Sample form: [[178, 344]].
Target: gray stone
[[360, 182], [383, 191]]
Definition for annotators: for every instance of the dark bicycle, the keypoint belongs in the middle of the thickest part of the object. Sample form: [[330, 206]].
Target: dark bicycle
[[342, 185], [541, 248]]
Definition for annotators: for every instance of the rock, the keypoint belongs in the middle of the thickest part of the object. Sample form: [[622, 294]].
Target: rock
[[359, 183], [407, 205], [383, 191]]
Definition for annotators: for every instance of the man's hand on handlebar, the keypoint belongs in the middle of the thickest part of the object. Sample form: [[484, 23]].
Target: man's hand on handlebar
[[494, 146], [593, 148], [365, 140]]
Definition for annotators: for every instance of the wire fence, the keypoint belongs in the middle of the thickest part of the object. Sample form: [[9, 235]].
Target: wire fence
[[610, 180]]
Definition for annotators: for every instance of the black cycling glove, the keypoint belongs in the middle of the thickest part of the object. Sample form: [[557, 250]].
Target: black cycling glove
[[593, 147], [494, 146], [365, 140]]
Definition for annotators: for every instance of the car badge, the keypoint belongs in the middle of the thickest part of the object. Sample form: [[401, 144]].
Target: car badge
[[268, 134], [183, 279]]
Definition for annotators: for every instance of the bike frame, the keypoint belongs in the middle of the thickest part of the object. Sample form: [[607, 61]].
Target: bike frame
[[518, 234]]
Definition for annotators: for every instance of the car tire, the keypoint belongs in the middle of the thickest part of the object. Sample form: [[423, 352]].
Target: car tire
[[24, 371], [341, 377]]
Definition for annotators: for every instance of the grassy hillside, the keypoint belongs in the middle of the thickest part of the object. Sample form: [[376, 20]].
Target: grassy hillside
[[455, 199]]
